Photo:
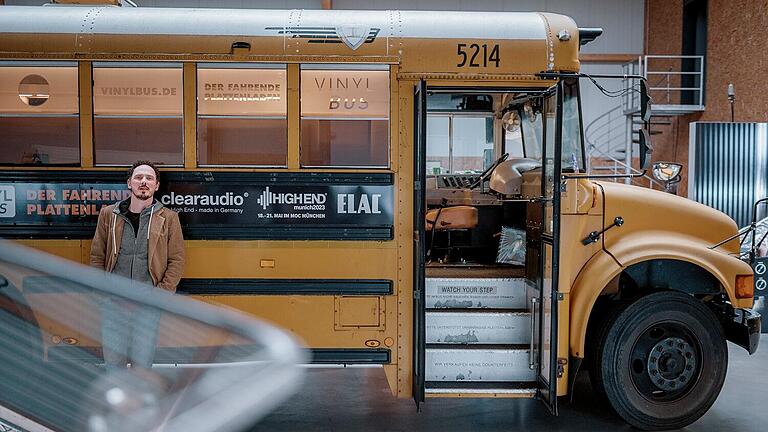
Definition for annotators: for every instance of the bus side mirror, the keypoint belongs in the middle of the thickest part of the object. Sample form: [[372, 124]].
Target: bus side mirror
[[646, 149], [645, 102]]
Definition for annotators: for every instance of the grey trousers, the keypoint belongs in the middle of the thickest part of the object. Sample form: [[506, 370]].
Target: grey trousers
[[128, 334]]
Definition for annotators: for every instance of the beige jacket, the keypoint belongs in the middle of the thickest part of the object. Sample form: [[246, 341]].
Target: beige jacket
[[165, 249]]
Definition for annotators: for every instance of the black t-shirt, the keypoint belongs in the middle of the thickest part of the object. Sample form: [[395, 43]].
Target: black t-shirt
[[134, 218]]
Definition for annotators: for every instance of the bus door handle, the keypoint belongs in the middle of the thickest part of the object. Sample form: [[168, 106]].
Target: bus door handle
[[531, 356]]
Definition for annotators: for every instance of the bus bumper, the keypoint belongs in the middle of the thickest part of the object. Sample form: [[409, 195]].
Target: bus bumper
[[744, 329]]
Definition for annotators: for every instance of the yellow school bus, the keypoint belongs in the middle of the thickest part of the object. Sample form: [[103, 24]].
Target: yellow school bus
[[395, 187]]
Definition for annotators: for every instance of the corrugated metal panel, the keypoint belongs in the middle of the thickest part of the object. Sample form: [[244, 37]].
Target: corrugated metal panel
[[728, 167]]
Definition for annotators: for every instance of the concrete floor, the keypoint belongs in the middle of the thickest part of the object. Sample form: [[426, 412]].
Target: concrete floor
[[358, 399]]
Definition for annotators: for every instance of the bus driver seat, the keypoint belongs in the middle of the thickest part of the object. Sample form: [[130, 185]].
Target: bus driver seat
[[448, 220], [452, 218]]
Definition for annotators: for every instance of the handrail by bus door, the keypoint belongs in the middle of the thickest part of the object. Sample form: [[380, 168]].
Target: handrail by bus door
[[419, 249]]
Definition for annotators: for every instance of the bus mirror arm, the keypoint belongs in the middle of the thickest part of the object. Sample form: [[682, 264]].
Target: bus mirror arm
[[555, 75], [603, 176], [595, 235]]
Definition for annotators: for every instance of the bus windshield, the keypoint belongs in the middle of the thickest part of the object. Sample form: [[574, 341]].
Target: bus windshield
[[536, 111]]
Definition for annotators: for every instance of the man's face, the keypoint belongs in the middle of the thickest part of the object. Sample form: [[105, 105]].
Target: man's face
[[143, 184]]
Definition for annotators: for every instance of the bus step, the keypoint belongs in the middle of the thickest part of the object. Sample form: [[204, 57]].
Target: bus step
[[521, 389], [478, 363], [478, 327], [466, 293]]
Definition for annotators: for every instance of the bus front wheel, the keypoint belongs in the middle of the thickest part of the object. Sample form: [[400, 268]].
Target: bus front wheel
[[662, 361]]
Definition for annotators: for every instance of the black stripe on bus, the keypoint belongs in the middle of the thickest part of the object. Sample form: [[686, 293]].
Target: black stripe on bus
[[207, 232], [285, 287], [256, 178], [350, 355], [47, 232], [371, 287], [288, 232], [225, 354]]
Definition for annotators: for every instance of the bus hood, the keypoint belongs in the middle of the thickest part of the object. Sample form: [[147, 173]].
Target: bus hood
[[666, 217]]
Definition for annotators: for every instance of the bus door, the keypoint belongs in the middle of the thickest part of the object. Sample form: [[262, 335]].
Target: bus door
[[485, 261], [419, 248], [547, 245]]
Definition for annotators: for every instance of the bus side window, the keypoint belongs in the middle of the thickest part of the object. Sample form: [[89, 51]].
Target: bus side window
[[137, 113], [241, 115], [344, 118], [39, 114]]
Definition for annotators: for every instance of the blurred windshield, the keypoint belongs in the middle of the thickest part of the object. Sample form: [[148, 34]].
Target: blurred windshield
[[761, 239], [213, 370]]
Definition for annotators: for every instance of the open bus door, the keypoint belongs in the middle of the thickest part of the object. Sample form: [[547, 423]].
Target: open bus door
[[548, 245], [419, 248], [538, 372]]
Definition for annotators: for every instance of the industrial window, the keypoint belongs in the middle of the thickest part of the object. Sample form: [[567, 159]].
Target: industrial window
[[459, 143], [241, 115], [344, 117], [39, 115], [137, 111]]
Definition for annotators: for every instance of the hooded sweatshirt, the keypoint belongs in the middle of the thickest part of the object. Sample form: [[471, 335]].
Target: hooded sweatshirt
[[155, 254]]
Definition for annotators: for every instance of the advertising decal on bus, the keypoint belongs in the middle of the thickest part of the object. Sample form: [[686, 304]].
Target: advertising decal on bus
[[222, 209]]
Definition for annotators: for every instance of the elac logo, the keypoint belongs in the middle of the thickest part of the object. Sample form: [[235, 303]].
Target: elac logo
[[351, 204], [7, 201], [353, 35]]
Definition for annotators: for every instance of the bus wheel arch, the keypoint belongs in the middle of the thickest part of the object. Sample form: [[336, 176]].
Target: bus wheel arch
[[665, 274], [588, 305]]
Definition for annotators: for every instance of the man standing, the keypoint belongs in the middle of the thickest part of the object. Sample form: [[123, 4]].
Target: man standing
[[139, 239]]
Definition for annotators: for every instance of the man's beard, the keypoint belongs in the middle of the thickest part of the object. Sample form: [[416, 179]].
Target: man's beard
[[142, 194]]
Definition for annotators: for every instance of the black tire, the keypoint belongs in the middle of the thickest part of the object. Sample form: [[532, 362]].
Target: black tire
[[598, 330], [661, 361]]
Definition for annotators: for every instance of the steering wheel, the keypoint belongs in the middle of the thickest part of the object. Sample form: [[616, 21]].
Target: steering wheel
[[488, 170]]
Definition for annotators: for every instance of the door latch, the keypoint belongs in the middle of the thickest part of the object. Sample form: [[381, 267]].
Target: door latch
[[561, 362]]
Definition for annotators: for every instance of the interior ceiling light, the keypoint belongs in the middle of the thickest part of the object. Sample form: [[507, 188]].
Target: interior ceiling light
[[511, 121]]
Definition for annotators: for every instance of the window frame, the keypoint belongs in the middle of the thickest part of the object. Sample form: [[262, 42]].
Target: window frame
[[240, 65], [451, 115], [138, 65], [43, 64], [349, 67]]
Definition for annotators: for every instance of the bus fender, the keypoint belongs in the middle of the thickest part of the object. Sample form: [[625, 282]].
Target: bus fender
[[602, 268], [598, 272]]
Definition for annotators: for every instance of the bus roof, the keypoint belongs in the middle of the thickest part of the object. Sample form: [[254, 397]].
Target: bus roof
[[420, 41]]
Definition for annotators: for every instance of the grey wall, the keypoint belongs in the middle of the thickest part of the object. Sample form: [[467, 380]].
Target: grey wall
[[622, 20]]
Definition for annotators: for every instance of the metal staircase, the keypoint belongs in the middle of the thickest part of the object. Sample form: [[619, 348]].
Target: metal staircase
[[675, 85], [610, 139]]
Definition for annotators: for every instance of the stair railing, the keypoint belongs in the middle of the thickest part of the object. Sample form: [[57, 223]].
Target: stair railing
[[605, 138]]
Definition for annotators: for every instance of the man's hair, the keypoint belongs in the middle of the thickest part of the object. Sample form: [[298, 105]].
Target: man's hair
[[143, 162]]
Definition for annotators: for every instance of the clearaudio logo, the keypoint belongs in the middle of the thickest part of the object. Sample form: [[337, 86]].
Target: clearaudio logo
[[225, 199], [268, 198]]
